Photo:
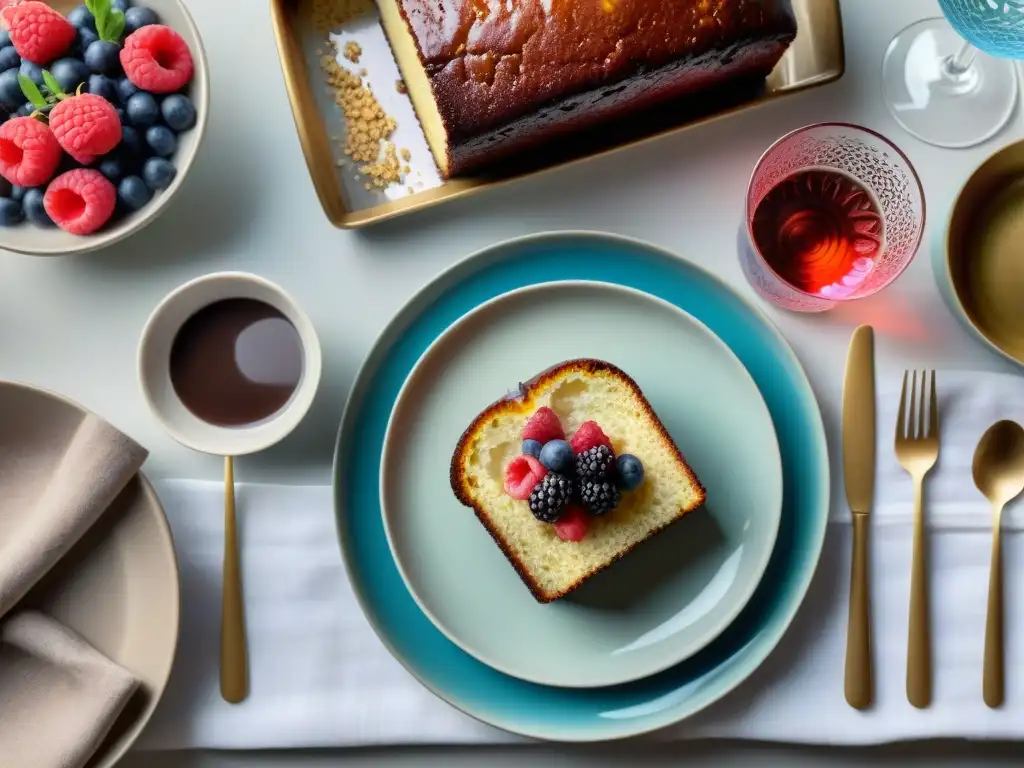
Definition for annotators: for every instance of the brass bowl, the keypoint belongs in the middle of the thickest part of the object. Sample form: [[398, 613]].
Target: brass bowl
[[984, 252]]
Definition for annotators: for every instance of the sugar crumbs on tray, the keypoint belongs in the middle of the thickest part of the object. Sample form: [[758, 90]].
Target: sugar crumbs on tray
[[331, 15]]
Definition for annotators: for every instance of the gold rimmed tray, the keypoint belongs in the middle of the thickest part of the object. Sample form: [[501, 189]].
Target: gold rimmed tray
[[308, 36]]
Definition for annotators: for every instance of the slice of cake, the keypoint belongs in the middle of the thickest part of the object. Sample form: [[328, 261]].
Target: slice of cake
[[570, 473], [490, 78]]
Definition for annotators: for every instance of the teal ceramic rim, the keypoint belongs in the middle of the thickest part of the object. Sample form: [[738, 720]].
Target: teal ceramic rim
[[666, 660], [565, 714]]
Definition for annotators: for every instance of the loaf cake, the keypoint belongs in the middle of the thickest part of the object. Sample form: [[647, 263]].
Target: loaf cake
[[570, 472], [489, 78]]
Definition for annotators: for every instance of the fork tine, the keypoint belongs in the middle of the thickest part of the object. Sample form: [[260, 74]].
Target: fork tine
[[912, 426], [901, 417], [922, 424], [933, 412]]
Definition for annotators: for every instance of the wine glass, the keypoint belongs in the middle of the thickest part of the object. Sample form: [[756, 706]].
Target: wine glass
[[952, 81], [834, 212]]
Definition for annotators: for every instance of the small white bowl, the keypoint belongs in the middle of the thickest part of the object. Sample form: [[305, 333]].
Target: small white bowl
[[154, 357], [33, 240]]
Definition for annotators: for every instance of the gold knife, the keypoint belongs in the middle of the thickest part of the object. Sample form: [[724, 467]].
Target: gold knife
[[859, 472]]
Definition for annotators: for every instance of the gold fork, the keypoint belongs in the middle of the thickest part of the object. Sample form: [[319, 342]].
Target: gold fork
[[917, 448]]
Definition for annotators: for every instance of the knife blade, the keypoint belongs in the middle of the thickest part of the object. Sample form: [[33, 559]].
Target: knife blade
[[859, 421], [859, 472]]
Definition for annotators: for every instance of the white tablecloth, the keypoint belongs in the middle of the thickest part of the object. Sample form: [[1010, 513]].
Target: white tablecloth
[[320, 677]]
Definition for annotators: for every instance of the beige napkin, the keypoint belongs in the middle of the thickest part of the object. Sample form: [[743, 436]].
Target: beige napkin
[[58, 696]]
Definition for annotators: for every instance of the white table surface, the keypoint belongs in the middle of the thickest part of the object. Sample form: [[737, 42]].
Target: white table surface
[[72, 324]]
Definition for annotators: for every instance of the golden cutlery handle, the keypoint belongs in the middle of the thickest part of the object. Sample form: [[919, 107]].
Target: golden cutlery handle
[[993, 681], [919, 652], [859, 681], [233, 658]]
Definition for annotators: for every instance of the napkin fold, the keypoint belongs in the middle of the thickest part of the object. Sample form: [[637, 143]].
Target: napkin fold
[[321, 678], [58, 696]]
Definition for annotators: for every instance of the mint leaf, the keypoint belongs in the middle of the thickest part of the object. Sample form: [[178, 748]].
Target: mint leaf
[[52, 84], [31, 91], [115, 26]]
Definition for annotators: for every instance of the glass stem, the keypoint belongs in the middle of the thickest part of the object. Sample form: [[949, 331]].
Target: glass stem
[[960, 62]]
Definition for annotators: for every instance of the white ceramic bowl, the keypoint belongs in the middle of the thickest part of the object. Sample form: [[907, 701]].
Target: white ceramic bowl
[[154, 358], [34, 240]]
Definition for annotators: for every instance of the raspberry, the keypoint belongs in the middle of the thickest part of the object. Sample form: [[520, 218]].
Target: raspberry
[[157, 59], [522, 475], [80, 201], [588, 436], [86, 126], [38, 32], [574, 524], [29, 152], [543, 426]]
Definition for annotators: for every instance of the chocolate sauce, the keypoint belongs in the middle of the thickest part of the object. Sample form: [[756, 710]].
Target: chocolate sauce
[[236, 362]]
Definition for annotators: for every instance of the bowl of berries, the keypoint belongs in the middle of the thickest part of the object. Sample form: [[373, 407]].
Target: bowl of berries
[[103, 106]]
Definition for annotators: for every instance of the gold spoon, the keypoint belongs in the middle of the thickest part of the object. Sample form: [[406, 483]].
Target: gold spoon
[[999, 474], [234, 673]]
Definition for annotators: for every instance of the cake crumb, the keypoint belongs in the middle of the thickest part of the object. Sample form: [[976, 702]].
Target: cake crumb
[[353, 51], [410, 190], [331, 15], [406, 154], [400, 86], [369, 129], [363, 73]]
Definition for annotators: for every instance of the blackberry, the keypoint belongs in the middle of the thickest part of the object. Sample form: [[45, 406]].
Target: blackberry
[[599, 497], [595, 464], [550, 497]]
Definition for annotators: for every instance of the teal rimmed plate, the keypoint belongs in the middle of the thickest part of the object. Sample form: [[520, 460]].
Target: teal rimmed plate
[[573, 714]]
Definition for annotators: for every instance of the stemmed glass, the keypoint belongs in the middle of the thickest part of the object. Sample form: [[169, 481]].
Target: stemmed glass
[[952, 82]]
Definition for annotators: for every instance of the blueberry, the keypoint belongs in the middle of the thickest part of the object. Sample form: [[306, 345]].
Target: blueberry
[[5, 187], [9, 58], [5, 38], [531, 448], [557, 456], [158, 173], [126, 88], [179, 112], [86, 37], [631, 471], [161, 140], [81, 18], [17, 193], [103, 57], [11, 212], [139, 17], [142, 109], [69, 73], [104, 86], [133, 192], [33, 71], [114, 165], [25, 110], [34, 209], [10, 89], [131, 142], [120, 5]]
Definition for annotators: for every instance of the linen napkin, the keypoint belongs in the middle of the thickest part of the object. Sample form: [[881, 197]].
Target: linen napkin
[[58, 696], [321, 678]]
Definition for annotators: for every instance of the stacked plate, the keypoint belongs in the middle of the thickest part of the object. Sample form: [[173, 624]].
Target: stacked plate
[[680, 621]]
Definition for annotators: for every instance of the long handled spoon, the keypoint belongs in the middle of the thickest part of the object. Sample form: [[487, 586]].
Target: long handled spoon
[[998, 470], [234, 673]]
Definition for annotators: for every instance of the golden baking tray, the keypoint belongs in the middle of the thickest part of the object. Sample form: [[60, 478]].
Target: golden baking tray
[[816, 57]]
